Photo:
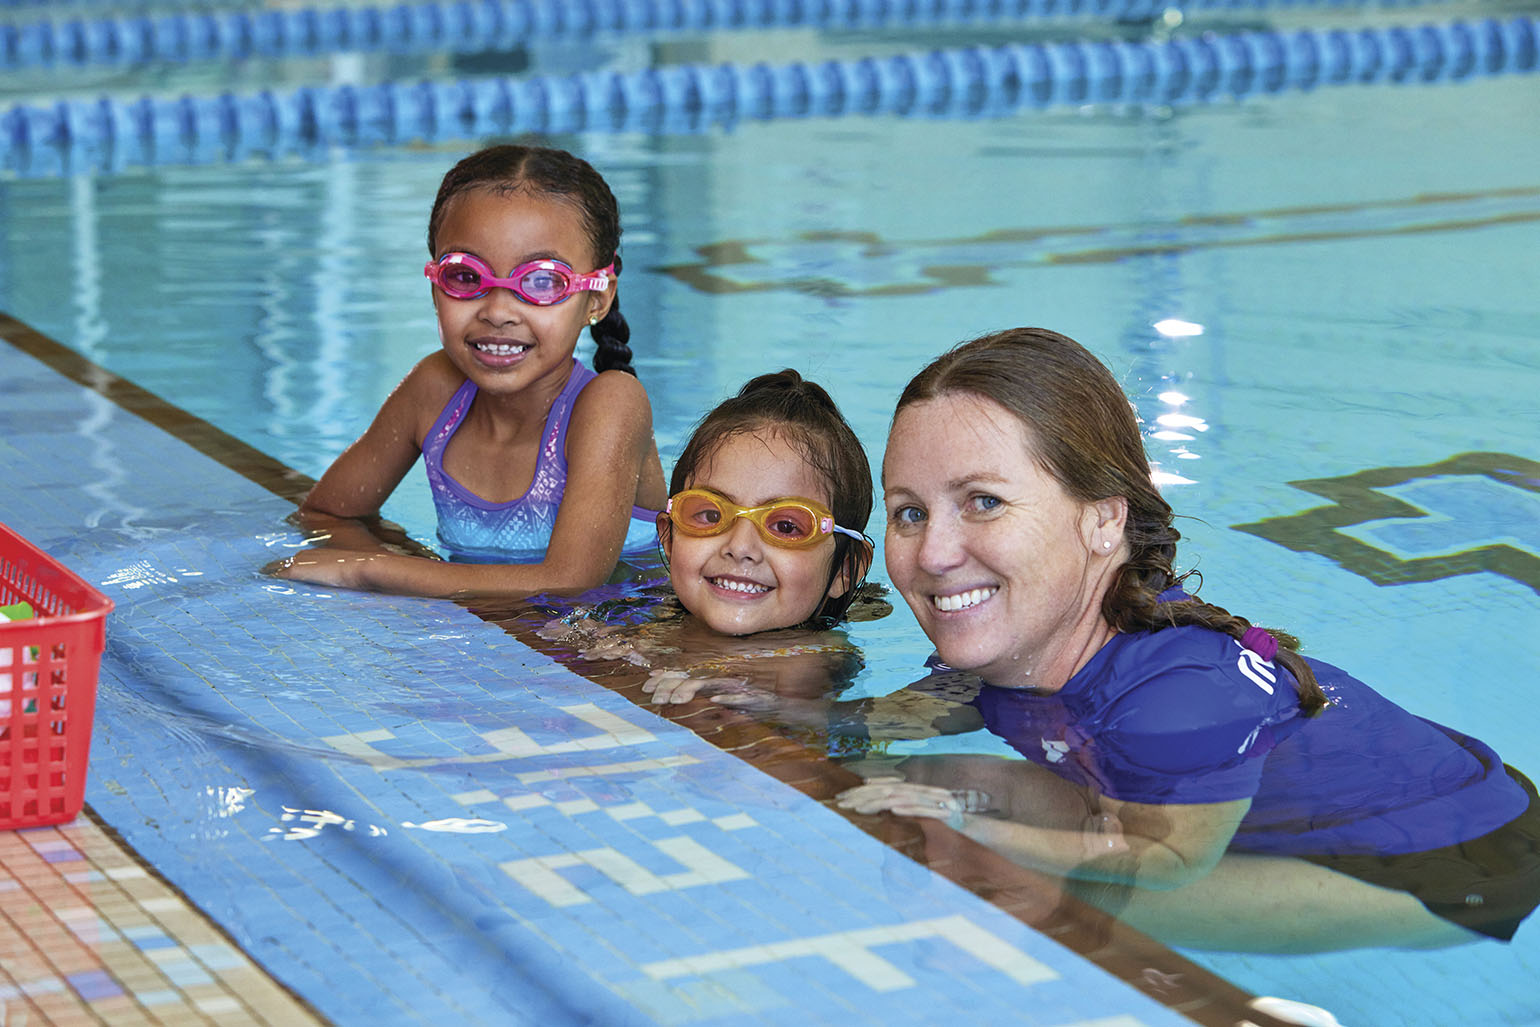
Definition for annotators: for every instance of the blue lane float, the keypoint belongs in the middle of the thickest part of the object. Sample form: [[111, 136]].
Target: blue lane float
[[473, 26], [109, 132]]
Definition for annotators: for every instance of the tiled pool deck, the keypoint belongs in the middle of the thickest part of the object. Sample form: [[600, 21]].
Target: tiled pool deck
[[403, 813]]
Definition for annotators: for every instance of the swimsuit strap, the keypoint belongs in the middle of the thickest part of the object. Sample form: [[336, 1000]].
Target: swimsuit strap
[[444, 427]]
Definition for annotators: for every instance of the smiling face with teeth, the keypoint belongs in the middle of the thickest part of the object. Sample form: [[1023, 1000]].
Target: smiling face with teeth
[[736, 582], [1004, 570], [498, 341]]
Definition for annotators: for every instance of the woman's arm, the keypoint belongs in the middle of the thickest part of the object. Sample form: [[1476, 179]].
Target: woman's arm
[[910, 713], [609, 442], [1150, 846]]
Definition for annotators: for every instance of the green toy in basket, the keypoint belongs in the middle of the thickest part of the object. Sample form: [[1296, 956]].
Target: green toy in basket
[[10, 612]]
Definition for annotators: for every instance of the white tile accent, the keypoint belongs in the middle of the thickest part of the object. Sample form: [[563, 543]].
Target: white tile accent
[[628, 767], [509, 743], [735, 822], [630, 811], [539, 876], [702, 867], [529, 800], [124, 873], [851, 951]]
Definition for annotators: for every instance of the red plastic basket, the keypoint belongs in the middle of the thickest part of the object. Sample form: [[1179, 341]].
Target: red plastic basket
[[48, 667]]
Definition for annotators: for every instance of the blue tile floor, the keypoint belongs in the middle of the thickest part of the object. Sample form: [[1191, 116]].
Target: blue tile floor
[[407, 816]]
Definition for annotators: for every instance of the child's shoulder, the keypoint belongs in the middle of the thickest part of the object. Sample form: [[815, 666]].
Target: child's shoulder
[[422, 394], [613, 395], [431, 381]]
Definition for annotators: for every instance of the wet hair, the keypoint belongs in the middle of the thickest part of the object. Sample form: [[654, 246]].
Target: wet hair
[[801, 412], [1085, 434], [539, 170]]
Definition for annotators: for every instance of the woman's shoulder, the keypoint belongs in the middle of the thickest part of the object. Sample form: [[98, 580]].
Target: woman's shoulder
[[1188, 668], [1190, 699]]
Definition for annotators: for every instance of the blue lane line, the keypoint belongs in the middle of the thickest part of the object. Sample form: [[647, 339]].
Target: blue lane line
[[479, 26], [306, 767], [112, 132]]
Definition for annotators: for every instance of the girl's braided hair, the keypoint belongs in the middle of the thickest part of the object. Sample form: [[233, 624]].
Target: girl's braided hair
[[511, 168], [804, 414], [1086, 435]]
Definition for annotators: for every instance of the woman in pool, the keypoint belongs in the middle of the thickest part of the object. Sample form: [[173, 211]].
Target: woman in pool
[[1222, 790]]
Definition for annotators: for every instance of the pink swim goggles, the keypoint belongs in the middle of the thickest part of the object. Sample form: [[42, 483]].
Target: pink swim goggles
[[543, 283]]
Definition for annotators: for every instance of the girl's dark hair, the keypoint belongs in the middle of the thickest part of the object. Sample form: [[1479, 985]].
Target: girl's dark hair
[[1086, 435], [510, 168], [801, 412]]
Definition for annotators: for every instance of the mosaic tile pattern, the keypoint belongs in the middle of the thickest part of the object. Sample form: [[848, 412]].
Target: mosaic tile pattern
[[407, 816], [88, 936], [1474, 513]]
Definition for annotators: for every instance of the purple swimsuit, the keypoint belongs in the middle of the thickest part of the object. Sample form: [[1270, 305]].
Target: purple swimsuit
[[519, 531]]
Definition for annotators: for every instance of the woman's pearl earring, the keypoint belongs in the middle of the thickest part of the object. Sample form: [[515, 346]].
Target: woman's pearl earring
[[1106, 545], [593, 320]]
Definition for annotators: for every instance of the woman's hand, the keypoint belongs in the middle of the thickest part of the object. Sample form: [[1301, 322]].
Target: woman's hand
[[907, 799], [1152, 846], [674, 687]]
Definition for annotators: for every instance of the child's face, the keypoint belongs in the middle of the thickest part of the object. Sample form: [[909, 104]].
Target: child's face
[[736, 582], [498, 341]]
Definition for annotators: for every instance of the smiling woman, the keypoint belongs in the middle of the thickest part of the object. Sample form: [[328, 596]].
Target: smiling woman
[[1001, 566], [1175, 752]]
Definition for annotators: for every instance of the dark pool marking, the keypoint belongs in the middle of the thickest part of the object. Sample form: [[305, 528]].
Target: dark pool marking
[[1358, 502], [1139, 961], [738, 252], [213, 442]]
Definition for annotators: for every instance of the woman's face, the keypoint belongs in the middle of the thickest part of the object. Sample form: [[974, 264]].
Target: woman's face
[[1002, 568], [736, 582]]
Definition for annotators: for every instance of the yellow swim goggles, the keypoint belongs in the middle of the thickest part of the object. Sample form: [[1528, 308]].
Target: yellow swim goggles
[[791, 523]]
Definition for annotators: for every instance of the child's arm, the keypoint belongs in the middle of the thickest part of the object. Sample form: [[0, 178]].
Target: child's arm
[[359, 481], [609, 448]]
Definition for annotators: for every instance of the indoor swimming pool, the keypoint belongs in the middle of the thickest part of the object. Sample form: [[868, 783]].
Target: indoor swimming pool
[[1302, 236]]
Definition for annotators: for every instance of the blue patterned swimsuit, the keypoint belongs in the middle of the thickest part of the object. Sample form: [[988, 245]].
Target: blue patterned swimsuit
[[517, 531]]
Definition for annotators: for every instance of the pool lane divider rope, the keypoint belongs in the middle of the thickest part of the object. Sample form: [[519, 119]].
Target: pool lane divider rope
[[964, 82], [477, 26]]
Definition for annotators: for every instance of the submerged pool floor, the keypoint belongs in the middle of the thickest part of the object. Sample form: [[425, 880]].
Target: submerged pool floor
[[403, 814]]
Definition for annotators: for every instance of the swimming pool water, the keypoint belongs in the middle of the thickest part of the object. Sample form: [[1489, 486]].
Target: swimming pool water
[[1360, 261]]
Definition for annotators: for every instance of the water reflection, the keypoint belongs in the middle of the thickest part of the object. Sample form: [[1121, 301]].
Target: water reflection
[[1292, 884], [647, 629]]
